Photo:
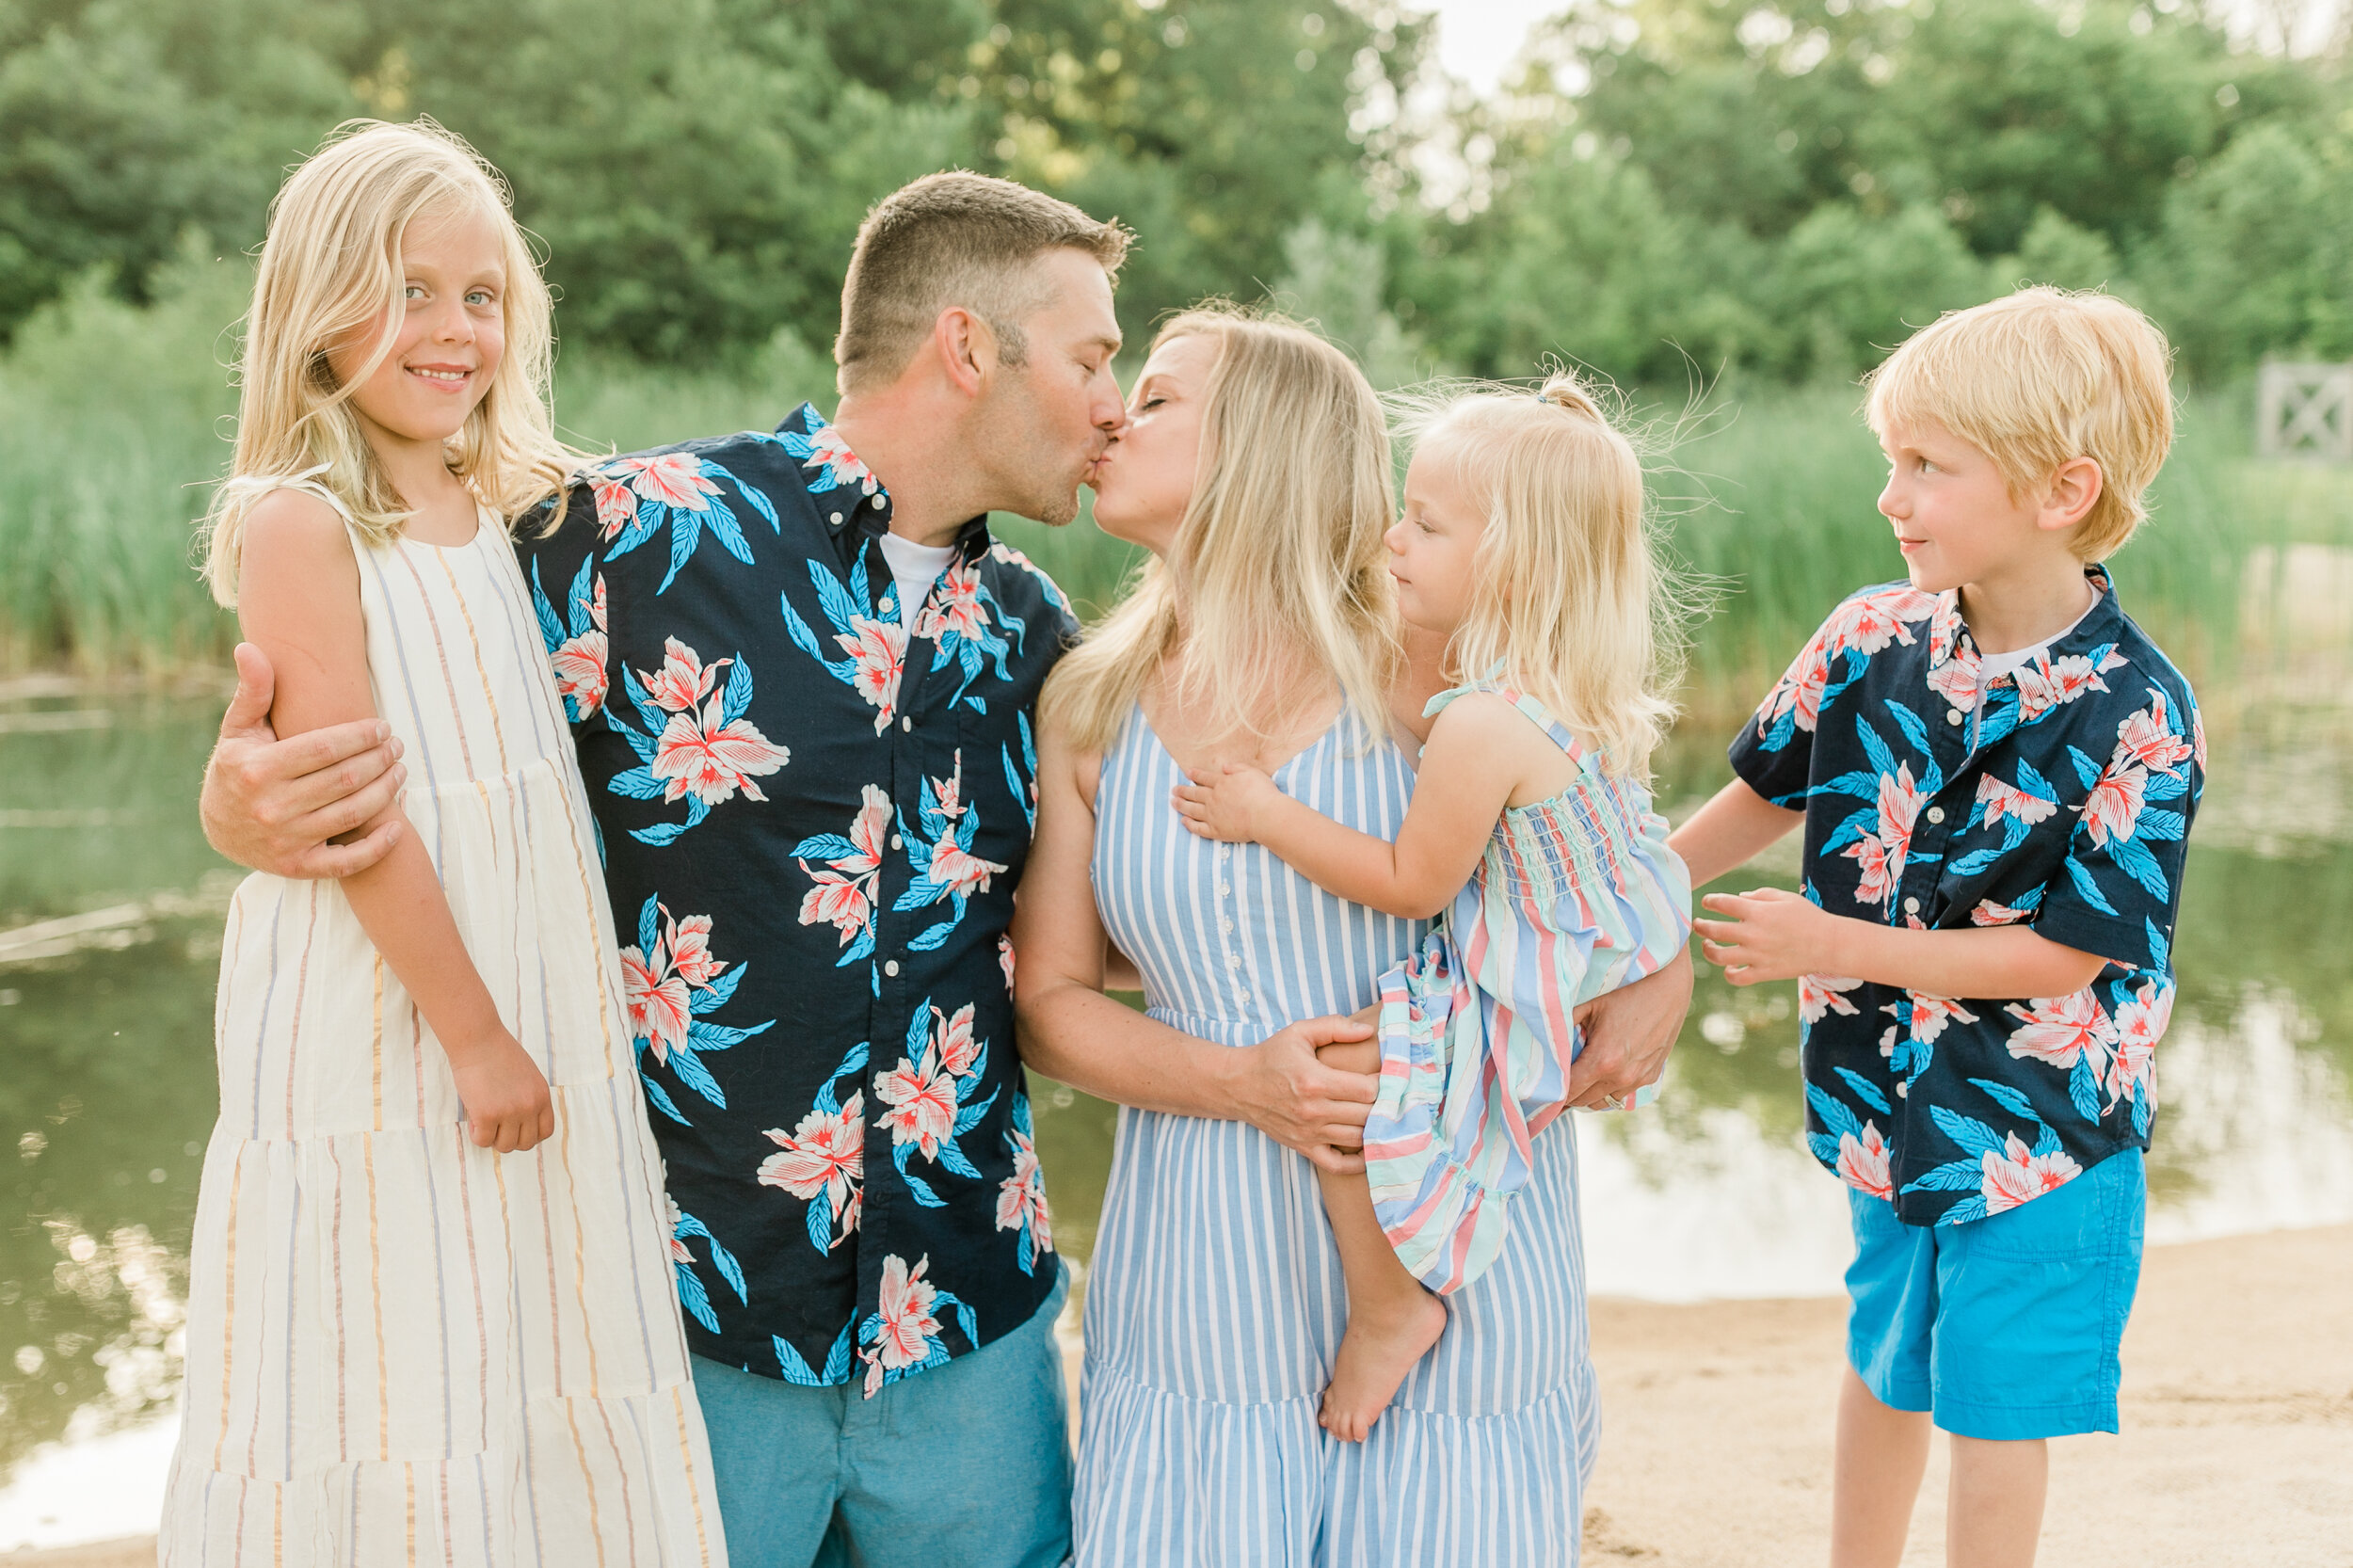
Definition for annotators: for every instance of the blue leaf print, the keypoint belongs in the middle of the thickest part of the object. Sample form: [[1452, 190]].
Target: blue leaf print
[[2086, 769], [2132, 858], [2160, 951], [550, 630], [660, 1100], [2083, 1089], [1835, 1115], [696, 1299], [1876, 750], [1915, 729], [1967, 1132], [719, 993], [2011, 1099], [2086, 888], [1958, 1176], [1865, 1091], [1963, 1212]]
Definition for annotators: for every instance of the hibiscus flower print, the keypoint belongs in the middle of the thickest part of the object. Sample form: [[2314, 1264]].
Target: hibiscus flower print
[[904, 1331], [671, 982], [1820, 995], [1005, 959], [878, 656], [580, 661], [673, 478], [1863, 1162], [1880, 855], [834, 463], [617, 503], [2146, 737], [823, 1159], [704, 751], [2140, 1023], [851, 878], [2112, 809], [1021, 1196], [922, 1101], [956, 608], [1931, 1014], [2003, 800], [2017, 1173], [2047, 682], [2062, 1031]]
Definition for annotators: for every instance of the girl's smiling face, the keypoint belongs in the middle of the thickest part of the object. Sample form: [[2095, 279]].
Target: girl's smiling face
[[447, 337], [1434, 547]]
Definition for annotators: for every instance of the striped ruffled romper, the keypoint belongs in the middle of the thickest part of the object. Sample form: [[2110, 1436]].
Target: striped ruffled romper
[[1576, 896], [403, 1348]]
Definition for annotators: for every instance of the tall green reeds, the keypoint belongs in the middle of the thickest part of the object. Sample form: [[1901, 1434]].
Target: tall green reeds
[[114, 419]]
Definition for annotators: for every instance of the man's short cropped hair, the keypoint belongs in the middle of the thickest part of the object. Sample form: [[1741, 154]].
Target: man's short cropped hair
[[959, 239], [2037, 380]]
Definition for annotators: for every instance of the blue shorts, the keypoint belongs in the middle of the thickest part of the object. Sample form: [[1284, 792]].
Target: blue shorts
[[2006, 1327], [967, 1464]]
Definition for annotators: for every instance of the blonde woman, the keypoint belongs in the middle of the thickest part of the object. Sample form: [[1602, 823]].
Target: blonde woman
[[1524, 545], [1255, 467], [430, 1314]]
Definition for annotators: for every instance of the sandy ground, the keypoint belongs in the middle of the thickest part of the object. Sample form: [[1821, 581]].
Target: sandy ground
[[2237, 1448], [2238, 1410]]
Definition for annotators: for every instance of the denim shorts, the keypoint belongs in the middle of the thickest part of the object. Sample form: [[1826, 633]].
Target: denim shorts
[[2006, 1327], [965, 1463]]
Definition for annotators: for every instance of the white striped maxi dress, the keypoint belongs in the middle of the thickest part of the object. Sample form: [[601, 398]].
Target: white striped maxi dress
[[403, 1348], [1215, 1302]]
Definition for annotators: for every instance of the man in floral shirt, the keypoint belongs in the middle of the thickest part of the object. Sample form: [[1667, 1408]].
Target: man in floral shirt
[[1994, 854], [801, 677]]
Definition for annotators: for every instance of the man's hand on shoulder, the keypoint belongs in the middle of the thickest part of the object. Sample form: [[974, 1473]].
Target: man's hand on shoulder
[[277, 805]]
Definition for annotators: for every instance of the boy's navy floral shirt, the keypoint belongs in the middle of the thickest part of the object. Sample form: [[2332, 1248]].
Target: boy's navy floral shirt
[[2063, 801], [812, 820]]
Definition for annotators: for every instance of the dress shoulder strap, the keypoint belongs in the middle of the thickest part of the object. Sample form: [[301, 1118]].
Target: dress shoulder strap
[[1531, 709]]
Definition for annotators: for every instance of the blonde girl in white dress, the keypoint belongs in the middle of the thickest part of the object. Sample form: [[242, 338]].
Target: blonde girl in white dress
[[430, 1312]]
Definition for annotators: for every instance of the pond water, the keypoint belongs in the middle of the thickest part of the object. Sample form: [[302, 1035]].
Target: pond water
[[111, 909]]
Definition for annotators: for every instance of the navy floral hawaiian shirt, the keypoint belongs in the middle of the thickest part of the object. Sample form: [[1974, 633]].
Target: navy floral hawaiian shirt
[[2063, 799], [812, 820]]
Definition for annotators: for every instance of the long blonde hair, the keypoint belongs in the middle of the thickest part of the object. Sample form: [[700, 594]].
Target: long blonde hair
[[332, 268], [1279, 549], [1571, 599]]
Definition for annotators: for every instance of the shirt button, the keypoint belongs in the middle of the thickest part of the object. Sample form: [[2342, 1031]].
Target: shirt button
[[1952, 715], [1911, 907], [890, 967], [837, 516], [1936, 813], [894, 841], [907, 724]]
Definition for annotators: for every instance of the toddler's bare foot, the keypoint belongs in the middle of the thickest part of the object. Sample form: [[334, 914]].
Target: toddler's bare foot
[[1381, 1346]]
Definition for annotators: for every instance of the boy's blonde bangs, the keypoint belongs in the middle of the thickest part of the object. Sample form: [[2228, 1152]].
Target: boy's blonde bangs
[[332, 268], [1279, 552], [2036, 379], [1571, 600]]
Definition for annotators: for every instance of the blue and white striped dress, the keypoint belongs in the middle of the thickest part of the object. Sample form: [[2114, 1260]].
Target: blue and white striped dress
[[1216, 1302]]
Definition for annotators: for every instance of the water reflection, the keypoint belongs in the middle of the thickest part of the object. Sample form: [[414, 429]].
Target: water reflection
[[106, 1033]]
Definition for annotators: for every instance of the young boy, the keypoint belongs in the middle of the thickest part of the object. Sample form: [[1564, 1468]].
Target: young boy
[[1995, 770]]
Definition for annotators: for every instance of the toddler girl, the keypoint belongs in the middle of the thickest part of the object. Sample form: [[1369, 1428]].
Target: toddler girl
[[430, 1314], [1523, 542]]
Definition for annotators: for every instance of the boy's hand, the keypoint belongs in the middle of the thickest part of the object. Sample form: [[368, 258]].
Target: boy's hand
[[505, 1097], [1224, 803], [1773, 935]]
